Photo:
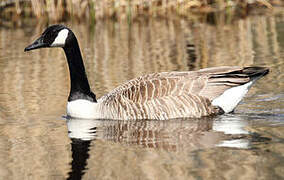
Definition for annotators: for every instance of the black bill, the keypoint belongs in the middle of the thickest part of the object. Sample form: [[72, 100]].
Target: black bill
[[37, 44]]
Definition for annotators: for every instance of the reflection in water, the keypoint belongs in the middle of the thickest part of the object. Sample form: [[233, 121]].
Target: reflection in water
[[232, 124], [80, 154], [81, 132], [172, 135], [83, 129], [178, 135], [235, 143], [168, 135]]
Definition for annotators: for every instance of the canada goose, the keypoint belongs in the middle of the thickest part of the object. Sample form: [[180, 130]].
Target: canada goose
[[164, 95]]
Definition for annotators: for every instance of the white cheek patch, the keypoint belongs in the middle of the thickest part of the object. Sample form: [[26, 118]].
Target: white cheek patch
[[60, 39]]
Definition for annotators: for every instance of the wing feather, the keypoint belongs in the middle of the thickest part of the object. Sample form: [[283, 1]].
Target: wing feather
[[174, 94]]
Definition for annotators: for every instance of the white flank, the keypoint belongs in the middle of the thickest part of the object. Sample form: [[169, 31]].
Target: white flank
[[232, 97], [60, 39], [83, 109]]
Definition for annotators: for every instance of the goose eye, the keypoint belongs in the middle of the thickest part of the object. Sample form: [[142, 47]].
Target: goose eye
[[48, 38]]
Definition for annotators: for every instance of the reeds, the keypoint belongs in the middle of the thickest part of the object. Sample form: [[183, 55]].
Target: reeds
[[94, 9]]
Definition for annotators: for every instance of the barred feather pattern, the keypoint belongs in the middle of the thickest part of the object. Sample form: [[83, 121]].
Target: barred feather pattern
[[170, 95]]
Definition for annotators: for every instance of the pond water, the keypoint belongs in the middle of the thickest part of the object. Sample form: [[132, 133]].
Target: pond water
[[38, 142]]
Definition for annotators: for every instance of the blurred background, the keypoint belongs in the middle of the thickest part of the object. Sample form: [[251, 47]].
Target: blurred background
[[123, 39]]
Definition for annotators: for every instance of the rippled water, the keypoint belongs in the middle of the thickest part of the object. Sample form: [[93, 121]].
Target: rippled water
[[38, 142]]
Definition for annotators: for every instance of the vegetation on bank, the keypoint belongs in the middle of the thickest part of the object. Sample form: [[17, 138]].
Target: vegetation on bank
[[57, 10]]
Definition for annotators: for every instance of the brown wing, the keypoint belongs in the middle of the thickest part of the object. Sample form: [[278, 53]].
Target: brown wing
[[172, 94], [158, 96]]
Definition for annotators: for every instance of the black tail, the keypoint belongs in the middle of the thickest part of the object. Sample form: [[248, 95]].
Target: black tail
[[239, 77], [255, 72]]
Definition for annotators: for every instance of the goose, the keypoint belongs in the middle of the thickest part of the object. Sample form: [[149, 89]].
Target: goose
[[165, 95]]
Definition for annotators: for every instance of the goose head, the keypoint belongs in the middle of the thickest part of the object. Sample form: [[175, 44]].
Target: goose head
[[53, 36], [61, 36]]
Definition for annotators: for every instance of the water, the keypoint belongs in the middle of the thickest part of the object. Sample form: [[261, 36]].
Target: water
[[38, 142]]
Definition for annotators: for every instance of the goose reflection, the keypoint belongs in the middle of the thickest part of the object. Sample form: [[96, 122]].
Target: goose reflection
[[81, 134], [170, 135]]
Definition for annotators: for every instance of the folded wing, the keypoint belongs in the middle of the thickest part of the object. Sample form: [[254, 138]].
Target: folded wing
[[174, 94]]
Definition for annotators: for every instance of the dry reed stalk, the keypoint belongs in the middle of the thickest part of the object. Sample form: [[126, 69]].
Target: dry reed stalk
[[122, 9], [17, 6], [55, 10], [38, 7], [77, 8]]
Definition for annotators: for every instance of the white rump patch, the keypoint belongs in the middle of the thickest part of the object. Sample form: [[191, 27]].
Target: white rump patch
[[82, 108], [232, 97], [60, 39]]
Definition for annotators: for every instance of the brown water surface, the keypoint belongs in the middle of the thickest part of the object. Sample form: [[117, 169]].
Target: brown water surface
[[37, 142]]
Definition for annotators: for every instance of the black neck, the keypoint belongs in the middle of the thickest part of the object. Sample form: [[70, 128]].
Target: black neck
[[80, 88]]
